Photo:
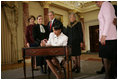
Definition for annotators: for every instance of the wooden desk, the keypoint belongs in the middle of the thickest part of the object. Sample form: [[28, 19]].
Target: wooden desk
[[49, 51]]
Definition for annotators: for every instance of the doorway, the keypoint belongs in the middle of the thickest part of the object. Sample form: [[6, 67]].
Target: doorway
[[94, 38]]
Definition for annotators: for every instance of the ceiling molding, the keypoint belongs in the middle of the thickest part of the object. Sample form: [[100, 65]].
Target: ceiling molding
[[86, 6], [75, 6]]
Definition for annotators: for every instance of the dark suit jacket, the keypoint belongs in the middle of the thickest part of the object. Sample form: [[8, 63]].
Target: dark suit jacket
[[38, 36], [28, 35], [55, 20]]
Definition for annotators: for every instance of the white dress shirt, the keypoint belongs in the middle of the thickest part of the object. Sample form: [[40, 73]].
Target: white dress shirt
[[53, 20], [61, 40], [53, 40]]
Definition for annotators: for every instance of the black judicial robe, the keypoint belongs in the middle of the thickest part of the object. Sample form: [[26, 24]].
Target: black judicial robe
[[38, 36]]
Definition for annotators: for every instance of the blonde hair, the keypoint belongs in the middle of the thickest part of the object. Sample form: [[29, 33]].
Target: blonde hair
[[72, 14]]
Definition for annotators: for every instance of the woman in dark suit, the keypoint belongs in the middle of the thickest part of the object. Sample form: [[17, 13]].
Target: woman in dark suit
[[28, 35], [75, 40], [40, 32]]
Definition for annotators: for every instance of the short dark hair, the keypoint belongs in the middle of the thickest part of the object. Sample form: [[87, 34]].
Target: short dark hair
[[39, 16], [31, 17], [51, 12], [58, 25]]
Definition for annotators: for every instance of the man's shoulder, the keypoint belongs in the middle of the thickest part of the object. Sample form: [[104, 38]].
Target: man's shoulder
[[56, 20], [48, 23]]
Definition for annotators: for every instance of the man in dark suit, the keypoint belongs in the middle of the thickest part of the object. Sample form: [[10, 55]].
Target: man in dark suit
[[52, 20]]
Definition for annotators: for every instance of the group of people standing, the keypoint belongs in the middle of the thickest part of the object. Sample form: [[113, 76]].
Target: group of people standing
[[54, 34]]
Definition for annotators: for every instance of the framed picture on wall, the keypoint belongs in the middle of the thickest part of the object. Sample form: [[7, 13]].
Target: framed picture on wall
[[59, 17]]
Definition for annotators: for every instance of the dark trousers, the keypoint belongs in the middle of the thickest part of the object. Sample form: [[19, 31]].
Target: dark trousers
[[40, 61]]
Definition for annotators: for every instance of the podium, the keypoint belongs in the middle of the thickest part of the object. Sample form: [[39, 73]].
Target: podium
[[49, 51]]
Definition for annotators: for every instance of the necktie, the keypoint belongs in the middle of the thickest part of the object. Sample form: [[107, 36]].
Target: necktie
[[50, 25]]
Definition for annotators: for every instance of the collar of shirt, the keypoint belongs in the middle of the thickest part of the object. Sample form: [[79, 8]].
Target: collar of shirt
[[55, 36], [53, 20]]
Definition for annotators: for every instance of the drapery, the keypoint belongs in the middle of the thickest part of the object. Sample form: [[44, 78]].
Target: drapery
[[9, 23]]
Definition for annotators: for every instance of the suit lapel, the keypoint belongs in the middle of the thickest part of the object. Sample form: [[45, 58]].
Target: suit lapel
[[52, 25]]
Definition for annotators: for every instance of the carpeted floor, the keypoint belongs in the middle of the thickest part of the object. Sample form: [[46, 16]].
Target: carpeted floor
[[88, 71]]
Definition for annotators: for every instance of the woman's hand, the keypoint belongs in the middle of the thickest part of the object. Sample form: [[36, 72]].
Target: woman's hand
[[45, 40], [115, 21], [81, 44], [28, 45], [43, 43], [103, 38]]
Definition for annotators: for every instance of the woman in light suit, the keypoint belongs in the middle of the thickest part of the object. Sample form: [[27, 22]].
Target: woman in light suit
[[107, 37]]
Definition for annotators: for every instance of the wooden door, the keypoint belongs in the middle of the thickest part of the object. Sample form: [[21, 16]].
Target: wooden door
[[94, 38]]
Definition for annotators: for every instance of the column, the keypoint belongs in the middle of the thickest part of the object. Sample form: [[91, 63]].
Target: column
[[25, 18], [46, 5]]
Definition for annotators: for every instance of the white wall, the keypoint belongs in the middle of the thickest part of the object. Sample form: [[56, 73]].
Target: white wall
[[35, 9], [87, 35], [62, 12], [90, 19], [90, 16]]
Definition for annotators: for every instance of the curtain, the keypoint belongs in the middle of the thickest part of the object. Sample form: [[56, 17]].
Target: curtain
[[9, 23]]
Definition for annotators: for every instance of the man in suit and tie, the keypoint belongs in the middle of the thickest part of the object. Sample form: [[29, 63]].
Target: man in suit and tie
[[52, 20]]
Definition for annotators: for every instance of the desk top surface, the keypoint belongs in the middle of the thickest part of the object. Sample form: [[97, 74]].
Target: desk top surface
[[46, 47]]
